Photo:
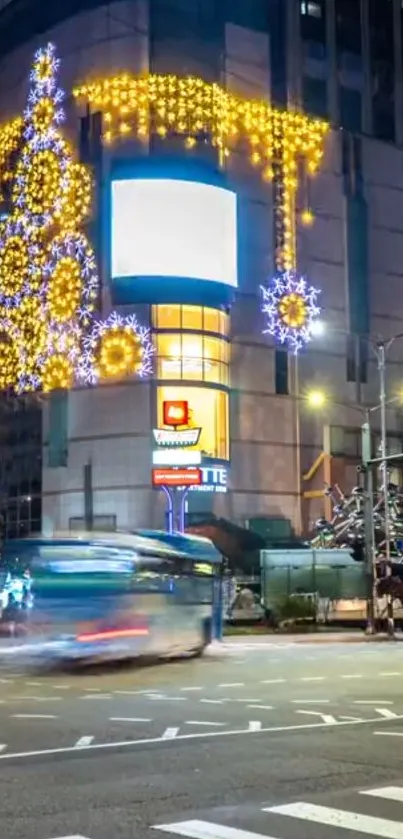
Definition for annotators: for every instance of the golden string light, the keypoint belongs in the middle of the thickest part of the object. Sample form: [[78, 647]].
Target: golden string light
[[204, 112], [75, 204], [43, 114], [57, 373], [9, 360], [119, 353], [293, 310], [43, 182], [64, 291], [14, 261]]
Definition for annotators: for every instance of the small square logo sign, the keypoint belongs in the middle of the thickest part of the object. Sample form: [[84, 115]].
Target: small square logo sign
[[176, 413]]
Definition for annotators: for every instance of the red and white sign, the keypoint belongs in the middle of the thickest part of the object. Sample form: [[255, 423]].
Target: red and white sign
[[176, 477], [175, 413]]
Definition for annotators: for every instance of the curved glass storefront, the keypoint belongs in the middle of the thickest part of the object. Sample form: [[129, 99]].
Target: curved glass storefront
[[193, 357]]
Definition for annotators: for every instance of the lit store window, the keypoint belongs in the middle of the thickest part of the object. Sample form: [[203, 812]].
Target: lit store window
[[191, 317], [192, 357], [208, 410]]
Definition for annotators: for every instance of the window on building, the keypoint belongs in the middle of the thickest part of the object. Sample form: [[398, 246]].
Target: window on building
[[312, 9], [314, 93], [382, 68], [350, 109], [252, 14], [208, 410], [281, 372], [196, 318], [192, 357], [313, 20], [348, 27]]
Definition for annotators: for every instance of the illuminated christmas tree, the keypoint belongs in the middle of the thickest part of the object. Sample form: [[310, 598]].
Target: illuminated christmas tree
[[48, 275]]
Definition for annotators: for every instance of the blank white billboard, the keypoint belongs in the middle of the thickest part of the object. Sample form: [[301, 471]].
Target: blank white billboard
[[173, 228]]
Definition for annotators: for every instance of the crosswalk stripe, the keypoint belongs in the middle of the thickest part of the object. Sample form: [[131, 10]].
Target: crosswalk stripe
[[332, 817], [196, 829], [390, 793]]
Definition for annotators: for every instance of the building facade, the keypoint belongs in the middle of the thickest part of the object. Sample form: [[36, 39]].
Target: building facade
[[335, 60]]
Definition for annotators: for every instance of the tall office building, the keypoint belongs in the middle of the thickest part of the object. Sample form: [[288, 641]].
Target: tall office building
[[338, 61]]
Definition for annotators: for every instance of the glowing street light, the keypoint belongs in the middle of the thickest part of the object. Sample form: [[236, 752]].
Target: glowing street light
[[316, 398]]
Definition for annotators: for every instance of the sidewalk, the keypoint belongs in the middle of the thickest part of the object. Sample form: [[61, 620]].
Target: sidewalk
[[276, 639]]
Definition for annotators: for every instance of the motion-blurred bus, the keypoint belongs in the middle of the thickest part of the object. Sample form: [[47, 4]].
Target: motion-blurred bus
[[95, 596]]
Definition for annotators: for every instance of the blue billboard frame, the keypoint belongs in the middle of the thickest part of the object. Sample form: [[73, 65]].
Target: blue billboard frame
[[127, 291]]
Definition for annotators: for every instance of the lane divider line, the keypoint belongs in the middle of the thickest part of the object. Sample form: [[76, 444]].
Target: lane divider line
[[148, 741]]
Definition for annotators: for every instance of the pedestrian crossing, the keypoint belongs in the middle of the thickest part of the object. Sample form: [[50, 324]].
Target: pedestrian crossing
[[377, 813]]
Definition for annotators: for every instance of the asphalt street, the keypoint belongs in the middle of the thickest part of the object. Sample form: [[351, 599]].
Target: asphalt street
[[276, 740]]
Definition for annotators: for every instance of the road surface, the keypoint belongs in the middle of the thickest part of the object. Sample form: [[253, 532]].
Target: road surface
[[276, 740]]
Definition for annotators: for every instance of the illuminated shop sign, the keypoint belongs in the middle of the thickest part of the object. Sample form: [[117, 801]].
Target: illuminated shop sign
[[171, 437], [176, 477], [213, 479], [176, 457], [175, 412]]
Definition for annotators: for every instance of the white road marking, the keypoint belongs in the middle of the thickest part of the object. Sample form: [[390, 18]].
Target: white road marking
[[196, 829], [232, 685], [262, 707], [34, 717], [145, 741], [128, 692], [332, 817], [389, 674], [3, 746], [72, 837], [96, 696], [255, 725], [245, 700], [129, 719], [388, 733], [23, 697], [61, 687], [33, 684], [310, 701], [327, 718], [192, 688], [390, 793], [212, 701], [312, 679], [372, 702], [170, 733], [200, 722], [387, 713], [92, 690], [272, 681], [351, 676], [6, 681], [84, 741], [162, 698]]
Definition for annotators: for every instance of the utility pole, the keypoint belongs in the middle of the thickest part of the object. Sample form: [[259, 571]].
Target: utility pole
[[381, 356]]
